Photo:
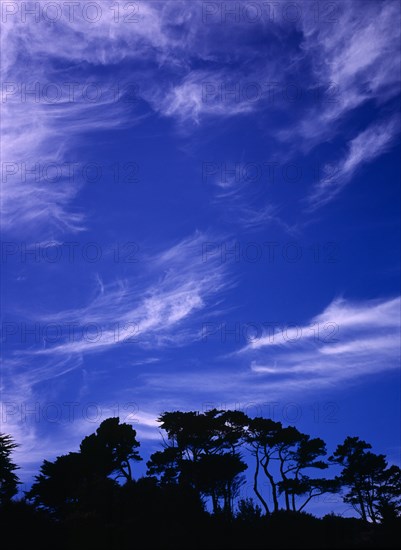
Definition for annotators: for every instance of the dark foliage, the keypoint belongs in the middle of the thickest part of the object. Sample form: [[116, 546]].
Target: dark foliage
[[8, 477], [189, 498]]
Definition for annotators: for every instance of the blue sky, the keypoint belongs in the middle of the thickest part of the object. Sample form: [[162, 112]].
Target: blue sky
[[200, 208]]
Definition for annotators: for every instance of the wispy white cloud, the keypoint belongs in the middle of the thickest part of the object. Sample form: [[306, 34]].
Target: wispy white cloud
[[341, 319], [149, 311], [246, 202], [355, 59], [49, 102], [55, 59], [200, 95], [361, 59], [347, 341], [363, 149], [301, 359]]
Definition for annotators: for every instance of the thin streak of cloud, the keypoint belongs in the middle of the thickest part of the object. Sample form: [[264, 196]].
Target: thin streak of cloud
[[363, 149], [153, 314], [359, 62]]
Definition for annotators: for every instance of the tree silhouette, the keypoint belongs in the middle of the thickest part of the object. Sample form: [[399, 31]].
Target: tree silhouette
[[373, 489], [61, 485], [201, 451], [8, 478], [286, 443], [388, 494], [291, 452], [166, 465], [111, 448], [261, 435], [301, 453], [82, 479], [88, 499], [217, 476], [248, 511]]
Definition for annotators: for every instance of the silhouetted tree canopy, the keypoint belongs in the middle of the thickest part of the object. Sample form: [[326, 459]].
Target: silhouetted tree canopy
[[201, 452], [8, 477], [373, 489], [192, 493], [78, 479], [111, 448]]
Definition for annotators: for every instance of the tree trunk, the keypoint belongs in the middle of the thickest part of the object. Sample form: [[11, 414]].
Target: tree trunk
[[273, 486], [129, 476], [369, 504], [255, 485], [287, 499], [311, 495], [227, 503], [362, 505], [215, 503]]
